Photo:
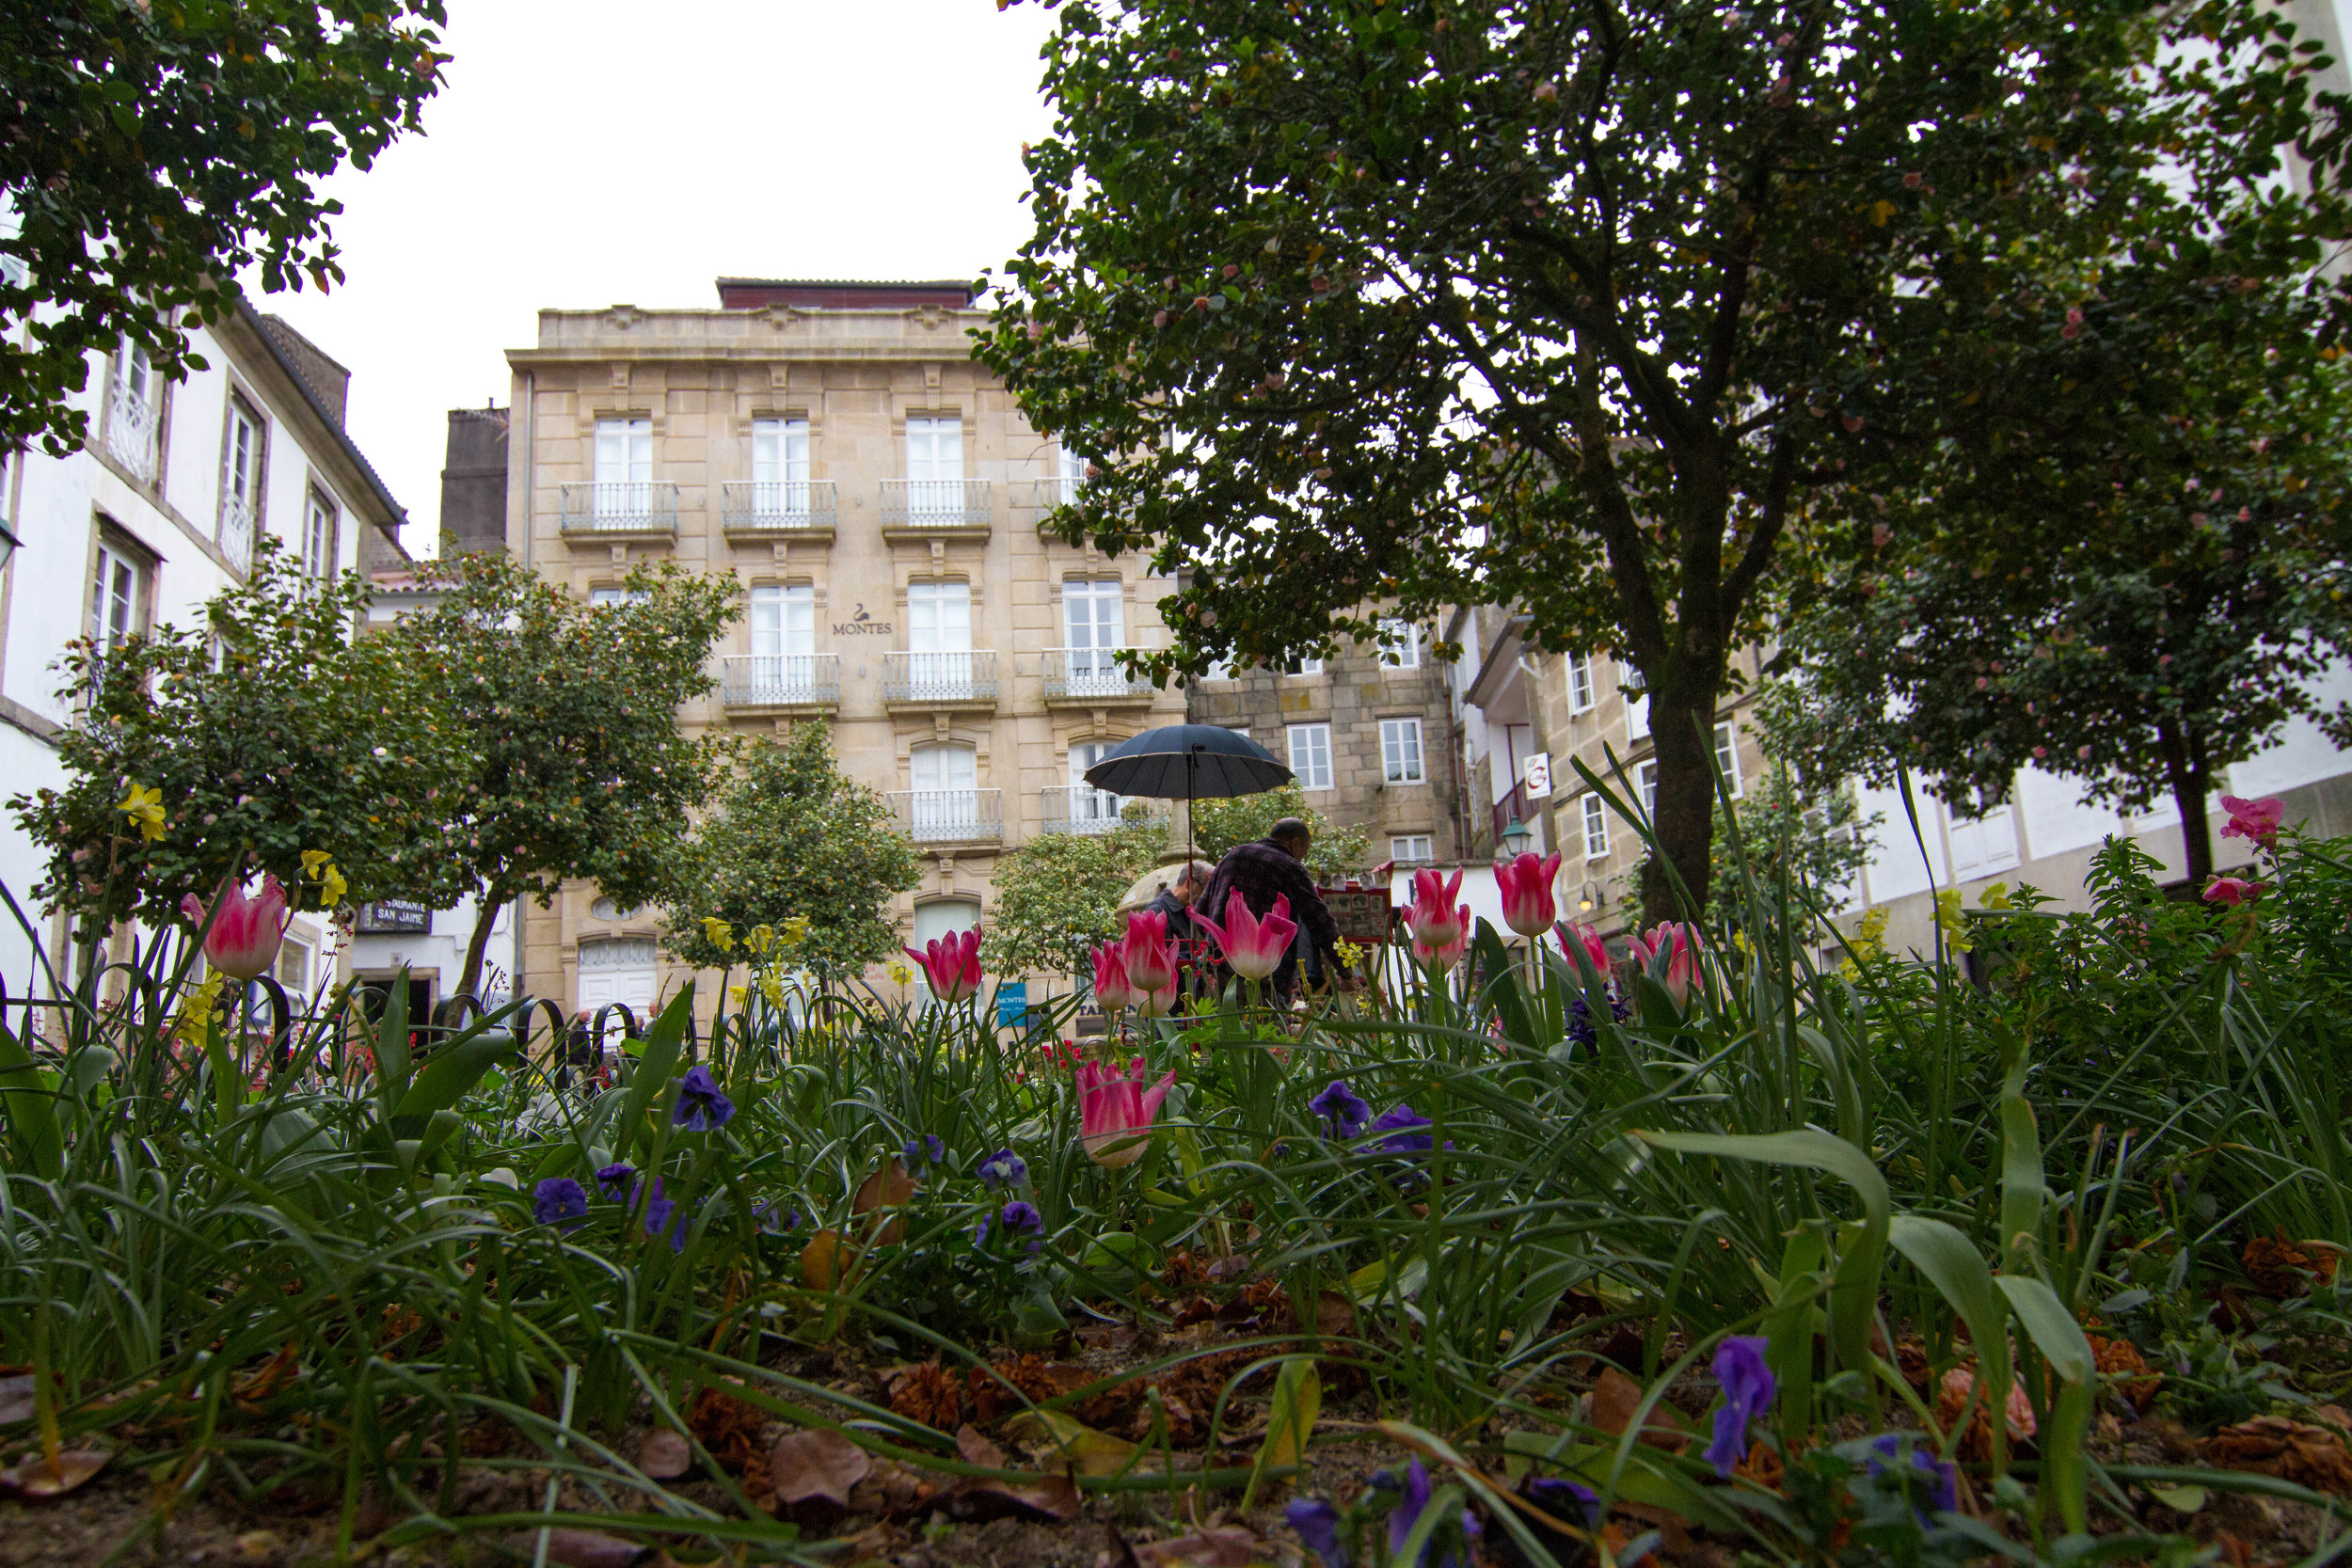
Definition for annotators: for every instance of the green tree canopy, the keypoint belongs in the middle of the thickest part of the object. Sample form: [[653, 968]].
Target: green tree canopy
[[264, 730], [153, 149], [1057, 897], [791, 837], [570, 712], [1219, 825], [1593, 308]]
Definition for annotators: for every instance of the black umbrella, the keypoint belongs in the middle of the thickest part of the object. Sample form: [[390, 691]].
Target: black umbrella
[[1188, 762]]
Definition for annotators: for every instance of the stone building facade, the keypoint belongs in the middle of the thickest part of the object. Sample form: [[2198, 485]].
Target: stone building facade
[[1370, 734], [874, 492]]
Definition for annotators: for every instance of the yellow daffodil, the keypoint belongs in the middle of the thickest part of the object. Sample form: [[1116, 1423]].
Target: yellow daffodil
[[1996, 896], [759, 939], [899, 973], [1867, 943], [145, 808], [197, 1009], [795, 930], [1951, 921], [771, 988], [319, 867], [1351, 956], [739, 995], [722, 935]]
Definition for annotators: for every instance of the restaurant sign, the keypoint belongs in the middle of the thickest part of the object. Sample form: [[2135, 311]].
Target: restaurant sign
[[392, 916]]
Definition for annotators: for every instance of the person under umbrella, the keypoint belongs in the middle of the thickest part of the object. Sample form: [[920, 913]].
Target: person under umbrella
[[1261, 871]]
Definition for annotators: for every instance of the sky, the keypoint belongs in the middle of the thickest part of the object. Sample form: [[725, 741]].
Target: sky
[[576, 157]]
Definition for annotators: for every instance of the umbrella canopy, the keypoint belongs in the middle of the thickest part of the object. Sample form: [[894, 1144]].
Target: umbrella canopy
[[1188, 762]]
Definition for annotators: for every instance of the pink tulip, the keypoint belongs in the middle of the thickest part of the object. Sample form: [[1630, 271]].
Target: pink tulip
[[1682, 970], [1444, 954], [1115, 1112], [1527, 903], [1431, 912], [1150, 953], [2258, 820], [247, 928], [2231, 891], [952, 964], [1114, 987], [1253, 946], [1157, 1004], [1570, 934]]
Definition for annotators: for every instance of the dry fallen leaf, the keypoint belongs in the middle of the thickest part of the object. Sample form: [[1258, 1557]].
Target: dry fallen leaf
[[973, 1448], [1047, 1499], [16, 1399], [1223, 1546], [581, 1549], [1092, 1452], [664, 1455], [823, 1261], [890, 1187], [35, 1478], [2274, 1446], [1617, 1397], [818, 1464]]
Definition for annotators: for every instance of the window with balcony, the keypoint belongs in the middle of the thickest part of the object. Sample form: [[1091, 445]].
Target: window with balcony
[[1411, 848], [944, 802], [1220, 669], [936, 469], [1061, 485], [1088, 809], [605, 598], [132, 424], [1400, 751], [783, 621], [939, 637], [1636, 708], [624, 468], [1400, 644], [1595, 827], [1983, 845], [1579, 682], [319, 538], [241, 483], [1310, 754], [780, 494], [1094, 631]]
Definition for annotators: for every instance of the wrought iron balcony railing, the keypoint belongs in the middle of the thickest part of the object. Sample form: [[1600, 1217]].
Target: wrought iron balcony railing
[[1084, 809], [1091, 674], [236, 532], [1053, 490], [949, 816], [775, 506], [952, 677], [934, 503], [131, 432], [781, 680], [622, 506]]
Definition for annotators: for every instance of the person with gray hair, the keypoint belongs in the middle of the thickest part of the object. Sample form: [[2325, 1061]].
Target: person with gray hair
[[1176, 902], [1260, 872]]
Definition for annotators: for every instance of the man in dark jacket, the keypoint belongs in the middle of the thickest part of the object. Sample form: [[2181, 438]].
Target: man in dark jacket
[[1176, 904], [1275, 866]]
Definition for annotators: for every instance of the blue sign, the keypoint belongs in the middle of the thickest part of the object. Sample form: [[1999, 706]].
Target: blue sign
[[1012, 1004]]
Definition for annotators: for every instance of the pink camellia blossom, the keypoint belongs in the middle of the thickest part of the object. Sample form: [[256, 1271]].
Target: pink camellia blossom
[[2231, 891], [1253, 946], [1114, 987], [2258, 820], [1680, 938], [1526, 885], [246, 928], [1573, 935], [1150, 954], [1116, 1110], [1431, 914], [952, 964]]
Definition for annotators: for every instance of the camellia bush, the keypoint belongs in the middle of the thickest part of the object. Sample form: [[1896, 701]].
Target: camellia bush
[[2026, 1250]]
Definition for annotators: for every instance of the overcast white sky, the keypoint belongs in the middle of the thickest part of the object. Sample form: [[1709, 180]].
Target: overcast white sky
[[588, 152]]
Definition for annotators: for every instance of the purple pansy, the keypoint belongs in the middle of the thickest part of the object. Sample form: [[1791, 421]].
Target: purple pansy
[[1888, 1451], [1342, 1108], [1019, 1219], [614, 1180], [926, 1148], [1565, 1500], [1318, 1525], [1748, 1389], [1396, 1121], [1003, 1169], [1412, 1504], [557, 1199], [702, 1106]]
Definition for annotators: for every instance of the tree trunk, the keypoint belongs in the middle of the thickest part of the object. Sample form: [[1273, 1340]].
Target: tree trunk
[[2184, 769], [1684, 816], [486, 916]]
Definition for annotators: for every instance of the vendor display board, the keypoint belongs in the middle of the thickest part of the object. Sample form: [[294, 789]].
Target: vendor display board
[[1361, 914]]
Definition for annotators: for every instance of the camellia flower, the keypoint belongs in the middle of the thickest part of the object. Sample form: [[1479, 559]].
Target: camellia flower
[[1253, 946], [702, 1107], [722, 935], [952, 964], [246, 928], [1150, 953], [1528, 906], [1113, 989], [1001, 1170], [1343, 1107], [1748, 1390], [145, 808], [2231, 891], [2257, 820], [1116, 1112], [1573, 935], [1318, 1525], [557, 1199], [1681, 940]]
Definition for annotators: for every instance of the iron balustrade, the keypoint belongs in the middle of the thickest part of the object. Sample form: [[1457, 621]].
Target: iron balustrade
[[781, 680], [620, 506], [1091, 672], [939, 677], [755, 506], [131, 432], [949, 816], [1084, 809], [943, 503], [236, 532]]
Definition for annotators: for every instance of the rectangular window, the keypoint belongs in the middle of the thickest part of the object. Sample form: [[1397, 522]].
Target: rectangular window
[[1093, 627], [935, 466], [1400, 751], [1579, 682], [1310, 754], [780, 466], [604, 598], [1983, 846], [319, 541], [1410, 848], [1088, 805], [1304, 667], [1727, 755], [293, 966], [1636, 708], [946, 796], [131, 422], [1595, 827], [1220, 669], [1400, 644], [783, 621], [1647, 776], [938, 635], [241, 482], [117, 594], [624, 468]]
